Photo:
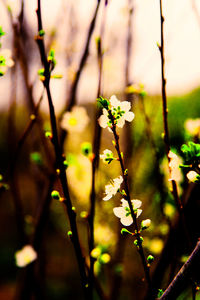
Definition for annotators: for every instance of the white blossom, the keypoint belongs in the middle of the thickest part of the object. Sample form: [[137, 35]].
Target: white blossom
[[25, 256], [123, 212], [120, 112], [111, 189], [107, 156], [192, 176], [145, 223], [192, 126], [75, 120], [174, 163]]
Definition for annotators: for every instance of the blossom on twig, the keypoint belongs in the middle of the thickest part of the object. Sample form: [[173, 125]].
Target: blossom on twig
[[107, 156], [111, 189], [120, 112], [123, 212]]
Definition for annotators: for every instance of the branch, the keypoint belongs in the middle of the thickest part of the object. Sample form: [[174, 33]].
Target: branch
[[59, 160], [96, 149], [72, 97], [178, 283], [165, 125]]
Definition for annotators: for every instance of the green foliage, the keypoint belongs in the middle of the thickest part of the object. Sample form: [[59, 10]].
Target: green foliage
[[160, 292], [103, 102], [191, 153]]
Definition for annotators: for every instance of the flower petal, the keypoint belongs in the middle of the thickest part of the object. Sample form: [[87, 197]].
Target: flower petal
[[136, 203], [114, 101], [103, 120], [119, 212], [120, 122], [125, 105], [126, 221], [139, 211], [124, 203], [129, 116], [107, 197]]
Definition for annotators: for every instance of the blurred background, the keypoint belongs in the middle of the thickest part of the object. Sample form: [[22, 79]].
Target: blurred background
[[129, 33]]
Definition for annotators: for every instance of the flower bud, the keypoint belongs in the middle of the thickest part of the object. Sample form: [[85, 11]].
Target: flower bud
[[55, 195], [145, 224], [150, 259]]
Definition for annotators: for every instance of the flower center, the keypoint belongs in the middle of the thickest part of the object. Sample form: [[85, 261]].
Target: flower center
[[73, 121]]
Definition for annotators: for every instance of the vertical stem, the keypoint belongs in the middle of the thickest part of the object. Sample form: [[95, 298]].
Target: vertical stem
[[165, 124], [128, 198], [128, 151], [96, 147], [59, 162], [72, 97]]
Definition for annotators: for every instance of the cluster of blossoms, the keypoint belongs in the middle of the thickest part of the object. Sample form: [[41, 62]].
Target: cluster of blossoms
[[115, 113]]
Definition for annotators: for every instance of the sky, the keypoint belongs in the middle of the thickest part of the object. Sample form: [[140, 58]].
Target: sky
[[182, 43]]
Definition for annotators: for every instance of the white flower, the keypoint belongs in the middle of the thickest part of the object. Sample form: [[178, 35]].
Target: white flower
[[5, 60], [111, 189], [193, 126], [192, 176], [25, 256], [145, 224], [123, 212], [120, 111], [107, 156], [174, 163], [75, 120]]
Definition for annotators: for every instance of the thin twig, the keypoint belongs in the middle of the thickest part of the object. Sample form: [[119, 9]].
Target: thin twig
[[96, 149], [128, 151], [128, 198], [59, 160], [165, 125], [178, 283], [71, 100]]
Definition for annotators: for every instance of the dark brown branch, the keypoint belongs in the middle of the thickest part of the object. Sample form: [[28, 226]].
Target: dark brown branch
[[59, 161], [183, 276], [165, 124], [70, 103], [71, 100]]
